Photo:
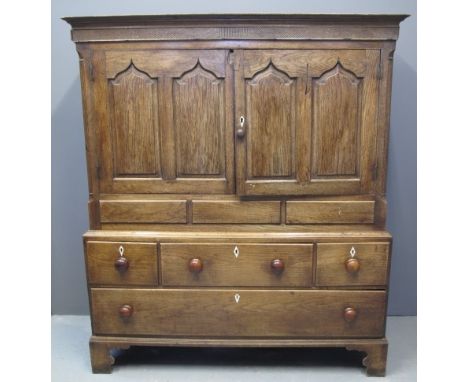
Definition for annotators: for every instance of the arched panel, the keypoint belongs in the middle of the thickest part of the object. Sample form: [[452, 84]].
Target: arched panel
[[199, 123], [134, 116], [270, 99], [336, 123]]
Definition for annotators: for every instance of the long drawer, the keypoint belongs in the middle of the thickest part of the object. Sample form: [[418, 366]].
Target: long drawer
[[208, 264], [238, 313]]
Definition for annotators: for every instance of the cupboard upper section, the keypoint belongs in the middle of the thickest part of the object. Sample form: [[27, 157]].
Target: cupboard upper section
[[241, 115]]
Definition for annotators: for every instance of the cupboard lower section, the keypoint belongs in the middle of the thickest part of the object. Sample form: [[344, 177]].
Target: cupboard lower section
[[329, 291], [232, 313]]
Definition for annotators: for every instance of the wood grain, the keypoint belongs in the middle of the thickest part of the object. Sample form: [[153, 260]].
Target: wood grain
[[87, 82], [304, 62], [199, 123], [372, 257], [165, 129], [101, 359], [299, 185], [235, 232], [169, 63], [376, 357], [333, 212], [252, 266], [133, 101], [142, 270], [336, 123], [327, 100], [143, 211], [236, 27], [375, 349], [215, 313], [222, 212], [270, 124]]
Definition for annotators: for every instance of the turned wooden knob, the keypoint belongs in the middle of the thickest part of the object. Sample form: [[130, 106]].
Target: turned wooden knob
[[277, 266], [126, 311], [121, 264], [352, 265], [349, 314], [195, 265]]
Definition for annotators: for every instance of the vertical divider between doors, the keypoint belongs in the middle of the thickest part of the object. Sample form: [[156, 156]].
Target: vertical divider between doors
[[230, 124], [239, 105]]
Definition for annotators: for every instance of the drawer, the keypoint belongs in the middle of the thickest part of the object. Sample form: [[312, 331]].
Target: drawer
[[112, 263], [238, 313], [143, 211], [198, 264], [330, 212], [352, 264], [236, 212]]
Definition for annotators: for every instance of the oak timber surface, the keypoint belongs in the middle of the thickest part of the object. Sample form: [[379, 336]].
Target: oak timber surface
[[241, 159], [371, 257], [255, 314], [70, 358], [237, 265], [101, 258]]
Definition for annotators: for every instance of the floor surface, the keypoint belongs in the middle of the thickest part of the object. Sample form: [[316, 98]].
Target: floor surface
[[70, 360]]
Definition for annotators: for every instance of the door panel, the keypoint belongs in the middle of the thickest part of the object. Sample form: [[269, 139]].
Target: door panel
[[166, 125], [271, 111], [336, 123], [199, 130], [310, 116], [134, 120]]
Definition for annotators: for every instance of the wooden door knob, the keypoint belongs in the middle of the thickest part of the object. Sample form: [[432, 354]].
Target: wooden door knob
[[195, 265], [121, 264], [352, 265], [126, 311], [277, 266], [349, 314]]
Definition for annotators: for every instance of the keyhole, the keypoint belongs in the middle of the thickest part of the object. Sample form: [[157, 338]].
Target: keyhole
[[242, 120], [237, 297]]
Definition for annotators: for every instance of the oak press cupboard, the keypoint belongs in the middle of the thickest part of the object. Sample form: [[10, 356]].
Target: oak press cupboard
[[237, 171]]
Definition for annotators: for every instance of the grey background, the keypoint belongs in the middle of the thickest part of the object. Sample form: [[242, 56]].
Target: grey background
[[69, 180]]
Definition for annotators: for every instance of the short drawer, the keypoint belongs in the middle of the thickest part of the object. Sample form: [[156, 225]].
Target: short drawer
[[111, 263], [236, 212], [363, 264], [330, 212], [198, 264], [238, 313], [143, 211]]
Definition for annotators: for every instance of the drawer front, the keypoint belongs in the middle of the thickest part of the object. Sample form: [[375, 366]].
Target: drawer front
[[141, 211], [121, 263], [284, 265], [352, 264], [329, 212], [238, 313], [236, 212]]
